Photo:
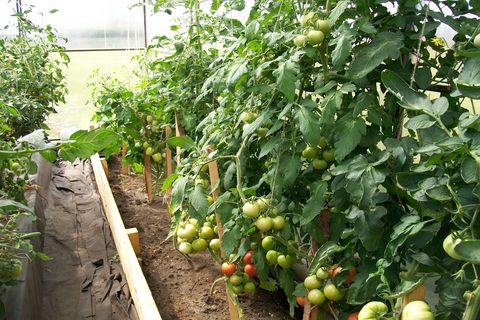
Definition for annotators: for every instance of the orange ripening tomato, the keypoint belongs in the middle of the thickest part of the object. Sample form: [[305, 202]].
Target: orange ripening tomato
[[300, 300], [351, 273], [353, 316]]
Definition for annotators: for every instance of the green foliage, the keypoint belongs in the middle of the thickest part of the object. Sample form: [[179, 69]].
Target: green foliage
[[32, 82]]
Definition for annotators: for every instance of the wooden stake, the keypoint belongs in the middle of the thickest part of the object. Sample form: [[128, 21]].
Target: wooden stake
[[179, 132], [417, 294], [310, 313], [134, 238], [147, 173], [214, 181], [125, 168], [105, 166], [168, 164], [141, 294]]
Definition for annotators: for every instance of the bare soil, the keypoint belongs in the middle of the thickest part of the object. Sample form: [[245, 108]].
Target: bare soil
[[181, 290]]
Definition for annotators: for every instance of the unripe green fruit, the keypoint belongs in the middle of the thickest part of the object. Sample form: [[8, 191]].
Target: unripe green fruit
[[315, 37]]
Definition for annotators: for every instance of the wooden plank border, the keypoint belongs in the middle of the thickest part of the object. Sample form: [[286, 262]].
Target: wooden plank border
[[141, 294]]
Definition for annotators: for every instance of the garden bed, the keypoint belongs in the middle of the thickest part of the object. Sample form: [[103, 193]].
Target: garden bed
[[181, 291]]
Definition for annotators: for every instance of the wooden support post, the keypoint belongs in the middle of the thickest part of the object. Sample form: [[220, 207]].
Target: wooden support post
[[168, 160], [125, 168], [134, 238], [141, 294], [310, 313], [179, 132], [147, 173], [417, 294], [214, 181], [105, 166]]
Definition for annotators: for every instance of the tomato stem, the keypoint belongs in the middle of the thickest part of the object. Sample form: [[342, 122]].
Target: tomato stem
[[473, 305]]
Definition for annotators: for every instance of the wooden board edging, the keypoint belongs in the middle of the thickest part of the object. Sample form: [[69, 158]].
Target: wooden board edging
[[141, 294]]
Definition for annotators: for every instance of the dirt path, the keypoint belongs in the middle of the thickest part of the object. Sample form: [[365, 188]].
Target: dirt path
[[180, 291]]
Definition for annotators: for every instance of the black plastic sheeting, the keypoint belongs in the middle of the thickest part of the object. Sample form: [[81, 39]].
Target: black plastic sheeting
[[84, 279]]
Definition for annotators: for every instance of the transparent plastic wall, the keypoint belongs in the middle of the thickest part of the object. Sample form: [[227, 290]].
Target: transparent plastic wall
[[93, 24], [7, 21]]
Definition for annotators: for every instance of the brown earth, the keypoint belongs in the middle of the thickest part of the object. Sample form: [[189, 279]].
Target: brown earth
[[181, 290]]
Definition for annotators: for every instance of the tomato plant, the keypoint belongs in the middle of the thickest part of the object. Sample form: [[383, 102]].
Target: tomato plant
[[356, 121]]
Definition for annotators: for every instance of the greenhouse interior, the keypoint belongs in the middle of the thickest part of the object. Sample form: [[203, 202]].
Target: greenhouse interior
[[240, 159]]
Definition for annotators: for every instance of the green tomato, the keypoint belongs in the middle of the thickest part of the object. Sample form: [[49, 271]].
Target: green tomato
[[322, 273], [268, 243], [332, 293], [278, 222], [272, 256], [237, 289], [319, 164], [312, 282], [322, 142], [199, 245], [306, 19], [185, 247], [417, 310], [309, 152], [249, 287], [203, 182], [373, 310], [206, 232], [157, 157], [316, 297], [449, 246], [285, 261], [251, 209], [149, 151], [263, 203], [300, 40], [247, 117], [16, 167], [188, 232], [149, 118], [476, 41], [329, 155], [323, 25], [235, 279], [264, 224], [262, 132], [315, 37], [215, 244]]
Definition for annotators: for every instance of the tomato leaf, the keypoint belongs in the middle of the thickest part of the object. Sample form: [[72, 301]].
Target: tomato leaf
[[232, 234], [419, 122], [406, 228], [405, 287], [178, 192], [286, 75], [198, 200], [364, 285], [286, 279], [470, 170], [315, 203], [368, 226], [468, 81], [348, 134], [169, 181], [338, 11], [184, 142], [308, 125], [7, 205], [343, 46], [469, 250], [369, 56], [236, 72], [323, 253]]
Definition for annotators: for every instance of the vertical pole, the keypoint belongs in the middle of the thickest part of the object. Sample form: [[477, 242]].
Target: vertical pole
[[125, 169], [168, 164], [179, 132], [417, 294], [310, 313], [147, 173], [214, 181]]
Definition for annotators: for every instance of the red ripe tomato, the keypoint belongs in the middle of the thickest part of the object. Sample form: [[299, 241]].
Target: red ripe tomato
[[247, 258], [353, 316], [300, 300], [351, 273], [250, 270], [228, 268]]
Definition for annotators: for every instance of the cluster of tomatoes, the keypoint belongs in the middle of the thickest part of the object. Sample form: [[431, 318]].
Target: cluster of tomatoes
[[152, 127], [241, 282], [193, 238], [268, 217], [315, 31], [321, 156], [248, 117]]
